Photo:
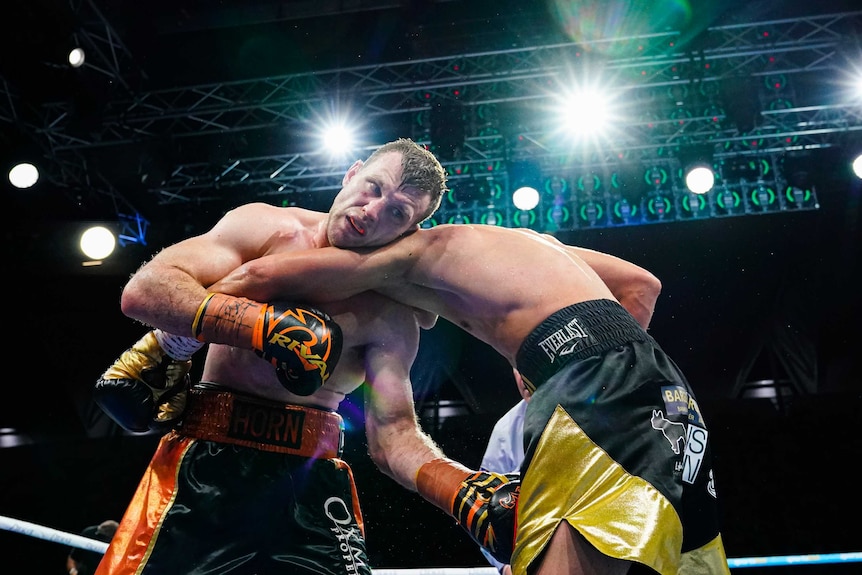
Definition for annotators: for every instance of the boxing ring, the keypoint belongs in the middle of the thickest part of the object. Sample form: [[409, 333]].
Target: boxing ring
[[73, 540]]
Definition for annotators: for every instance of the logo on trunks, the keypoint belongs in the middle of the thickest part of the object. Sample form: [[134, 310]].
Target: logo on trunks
[[263, 424], [689, 439], [563, 341], [346, 533]]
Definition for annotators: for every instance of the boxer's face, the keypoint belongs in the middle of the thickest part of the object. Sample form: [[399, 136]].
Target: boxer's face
[[372, 208]]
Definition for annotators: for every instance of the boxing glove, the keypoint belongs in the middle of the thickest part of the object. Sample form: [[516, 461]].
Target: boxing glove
[[145, 388], [303, 343], [484, 504]]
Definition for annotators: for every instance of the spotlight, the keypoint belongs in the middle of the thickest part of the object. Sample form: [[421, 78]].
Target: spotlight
[[76, 57], [23, 175], [699, 178], [696, 161], [857, 166], [525, 198], [525, 177], [97, 242]]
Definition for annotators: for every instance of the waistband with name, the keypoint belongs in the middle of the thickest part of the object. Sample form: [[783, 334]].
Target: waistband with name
[[227, 417]]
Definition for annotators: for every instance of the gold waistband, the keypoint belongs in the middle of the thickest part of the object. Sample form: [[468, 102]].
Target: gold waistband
[[282, 428]]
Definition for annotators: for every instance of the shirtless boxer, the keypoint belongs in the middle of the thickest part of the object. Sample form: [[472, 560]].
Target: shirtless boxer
[[251, 480], [617, 469]]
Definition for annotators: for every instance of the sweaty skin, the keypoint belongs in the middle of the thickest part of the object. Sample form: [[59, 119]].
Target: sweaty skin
[[381, 336], [496, 283]]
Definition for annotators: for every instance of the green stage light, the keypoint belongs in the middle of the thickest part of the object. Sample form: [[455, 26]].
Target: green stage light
[[493, 218], [525, 218], [797, 196], [625, 210], [775, 82], [556, 186], [659, 206], [493, 166], [753, 139], [458, 169], [763, 196], [655, 176], [591, 212], [728, 199], [559, 215], [694, 204], [589, 183]]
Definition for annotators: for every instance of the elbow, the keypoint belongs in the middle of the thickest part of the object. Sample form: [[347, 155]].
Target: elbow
[[652, 287], [248, 280], [640, 297], [132, 304], [379, 458], [647, 296]]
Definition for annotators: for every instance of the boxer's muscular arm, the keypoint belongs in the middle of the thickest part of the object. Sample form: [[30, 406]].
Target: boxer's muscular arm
[[396, 443], [169, 293], [324, 274], [167, 290], [634, 287], [483, 503]]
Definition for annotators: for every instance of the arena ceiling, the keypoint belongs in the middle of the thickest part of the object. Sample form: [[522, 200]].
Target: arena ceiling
[[181, 104]]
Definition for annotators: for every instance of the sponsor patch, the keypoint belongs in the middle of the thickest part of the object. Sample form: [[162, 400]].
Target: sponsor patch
[[564, 340], [688, 438]]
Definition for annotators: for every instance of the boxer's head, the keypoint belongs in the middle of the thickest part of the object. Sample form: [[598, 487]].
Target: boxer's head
[[399, 186]]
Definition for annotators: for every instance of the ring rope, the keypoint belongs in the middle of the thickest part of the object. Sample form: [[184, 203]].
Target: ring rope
[[42, 532], [81, 542]]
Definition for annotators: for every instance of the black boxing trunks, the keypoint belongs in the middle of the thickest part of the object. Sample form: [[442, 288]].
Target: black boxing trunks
[[246, 487], [616, 445]]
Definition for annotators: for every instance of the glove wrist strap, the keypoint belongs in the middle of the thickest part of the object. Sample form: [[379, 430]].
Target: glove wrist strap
[[177, 347], [229, 320], [439, 482]]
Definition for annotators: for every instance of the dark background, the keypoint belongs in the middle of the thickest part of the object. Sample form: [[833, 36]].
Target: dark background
[[772, 297]]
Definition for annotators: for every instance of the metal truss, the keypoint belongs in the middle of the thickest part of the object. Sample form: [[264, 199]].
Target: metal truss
[[801, 45], [106, 52], [793, 129], [643, 68]]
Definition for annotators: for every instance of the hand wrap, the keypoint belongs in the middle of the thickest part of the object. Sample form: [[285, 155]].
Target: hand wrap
[[484, 504], [144, 389], [303, 343]]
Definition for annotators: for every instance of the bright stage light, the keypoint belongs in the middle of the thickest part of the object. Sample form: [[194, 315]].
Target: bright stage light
[[699, 179], [338, 139], [857, 166], [23, 175], [97, 242], [525, 198], [76, 57], [585, 112]]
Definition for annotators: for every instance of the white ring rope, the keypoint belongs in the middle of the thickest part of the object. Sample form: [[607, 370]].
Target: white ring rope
[[41, 532], [72, 540]]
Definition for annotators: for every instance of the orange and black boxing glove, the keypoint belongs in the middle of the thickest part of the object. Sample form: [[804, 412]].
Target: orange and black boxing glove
[[303, 343], [484, 504]]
